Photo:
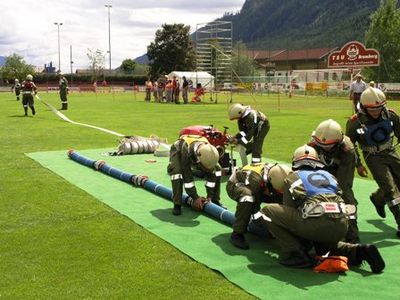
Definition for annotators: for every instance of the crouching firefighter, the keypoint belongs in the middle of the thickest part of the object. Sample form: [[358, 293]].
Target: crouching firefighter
[[249, 187], [337, 153], [313, 214], [188, 152], [253, 126]]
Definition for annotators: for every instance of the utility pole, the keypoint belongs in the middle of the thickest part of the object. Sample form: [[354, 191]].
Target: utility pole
[[59, 51], [109, 33], [70, 60]]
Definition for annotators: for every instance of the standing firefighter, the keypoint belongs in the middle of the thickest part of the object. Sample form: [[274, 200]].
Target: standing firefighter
[[16, 88], [249, 187], [337, 153], [253, 126], [193, 151], [28, 91], [313, 214], [374, 128], [63, 86]]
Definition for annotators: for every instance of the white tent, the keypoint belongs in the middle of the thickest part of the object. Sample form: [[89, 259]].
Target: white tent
[[206, 79]]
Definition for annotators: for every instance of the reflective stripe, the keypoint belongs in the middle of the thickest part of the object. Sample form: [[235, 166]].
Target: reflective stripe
[[247, 199], [352, 217], [176, 176], [189, 185], [244, 140], [242, 133], [210, 184], [255, 160], [294, 185], [259, 215], [64, 101], [255, 117], [218, 173], [394, 202], [27, 92]]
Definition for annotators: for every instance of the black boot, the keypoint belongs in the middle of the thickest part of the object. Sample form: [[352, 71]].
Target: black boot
[[297, 259], [398, 232], [238, 240], [26, 111], [33, 110], [380, 209], [176, 211], [371, 255]]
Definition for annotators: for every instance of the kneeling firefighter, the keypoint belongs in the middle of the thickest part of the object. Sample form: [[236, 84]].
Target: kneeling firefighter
[[313, 214], [337, 153], [193, 151], [249, 187]]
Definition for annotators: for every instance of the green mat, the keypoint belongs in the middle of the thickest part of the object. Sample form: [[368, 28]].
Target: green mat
[[206, 240]]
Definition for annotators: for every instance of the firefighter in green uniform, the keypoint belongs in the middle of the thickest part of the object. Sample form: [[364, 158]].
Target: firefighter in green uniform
[[253, 128], [313, 214], [16, 88], [374, 128], [337, 153], [249, 187], [191, 151], [29, 89], [63, 86]]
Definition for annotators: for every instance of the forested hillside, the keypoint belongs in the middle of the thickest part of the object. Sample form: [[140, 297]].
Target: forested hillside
[[301, 24]]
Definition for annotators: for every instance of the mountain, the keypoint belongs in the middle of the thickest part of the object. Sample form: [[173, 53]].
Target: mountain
[[143, 59], [2, 60], [277, 24]]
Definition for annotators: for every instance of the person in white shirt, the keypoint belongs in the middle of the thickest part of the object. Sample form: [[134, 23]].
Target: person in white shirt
[[357, 87]]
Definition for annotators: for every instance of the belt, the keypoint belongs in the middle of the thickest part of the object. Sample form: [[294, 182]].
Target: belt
[[317, 209], [377, 148]]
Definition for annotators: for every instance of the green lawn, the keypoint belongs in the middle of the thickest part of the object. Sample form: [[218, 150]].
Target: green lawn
[[58, 242]]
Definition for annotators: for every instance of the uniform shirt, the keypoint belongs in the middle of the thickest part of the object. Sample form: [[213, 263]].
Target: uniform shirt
[[295, 193], [256, 184], [340, 162], [249, 125], [63, 85], [356, 126], [358, 87], [28, 87]]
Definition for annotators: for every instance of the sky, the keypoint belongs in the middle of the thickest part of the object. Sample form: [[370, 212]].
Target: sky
[[27, 27]]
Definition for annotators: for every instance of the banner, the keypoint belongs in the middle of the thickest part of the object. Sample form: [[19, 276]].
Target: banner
[[354, 54]]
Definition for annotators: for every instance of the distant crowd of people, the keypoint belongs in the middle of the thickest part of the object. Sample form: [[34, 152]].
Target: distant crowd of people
[[166, 90]]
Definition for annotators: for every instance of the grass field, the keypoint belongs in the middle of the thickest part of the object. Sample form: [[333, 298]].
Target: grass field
[[58, 242]]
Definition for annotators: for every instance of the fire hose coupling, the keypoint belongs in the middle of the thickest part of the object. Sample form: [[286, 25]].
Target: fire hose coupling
[[98, 164], [139, 180]]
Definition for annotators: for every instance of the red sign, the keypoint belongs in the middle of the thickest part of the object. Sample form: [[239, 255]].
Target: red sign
[[353, 54]]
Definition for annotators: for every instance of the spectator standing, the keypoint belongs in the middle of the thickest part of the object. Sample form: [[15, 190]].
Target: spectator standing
[[185, 90], [356, 88]]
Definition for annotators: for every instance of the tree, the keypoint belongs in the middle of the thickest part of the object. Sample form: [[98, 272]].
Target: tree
[[242, 63], [384, 35], [171, 50], [96, 62], [128, 66], [16, 67]]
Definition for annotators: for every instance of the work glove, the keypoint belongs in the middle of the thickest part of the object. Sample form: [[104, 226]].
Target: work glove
[[199, 203]]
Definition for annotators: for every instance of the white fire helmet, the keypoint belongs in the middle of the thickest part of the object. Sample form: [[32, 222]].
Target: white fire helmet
[[236, 111], [373, 99], [328, 133], [29, 77], [306, 156], [208, 156], [276, 176], [16, 80]]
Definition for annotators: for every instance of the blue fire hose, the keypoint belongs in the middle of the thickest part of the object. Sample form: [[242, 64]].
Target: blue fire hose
[[215, 211]]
